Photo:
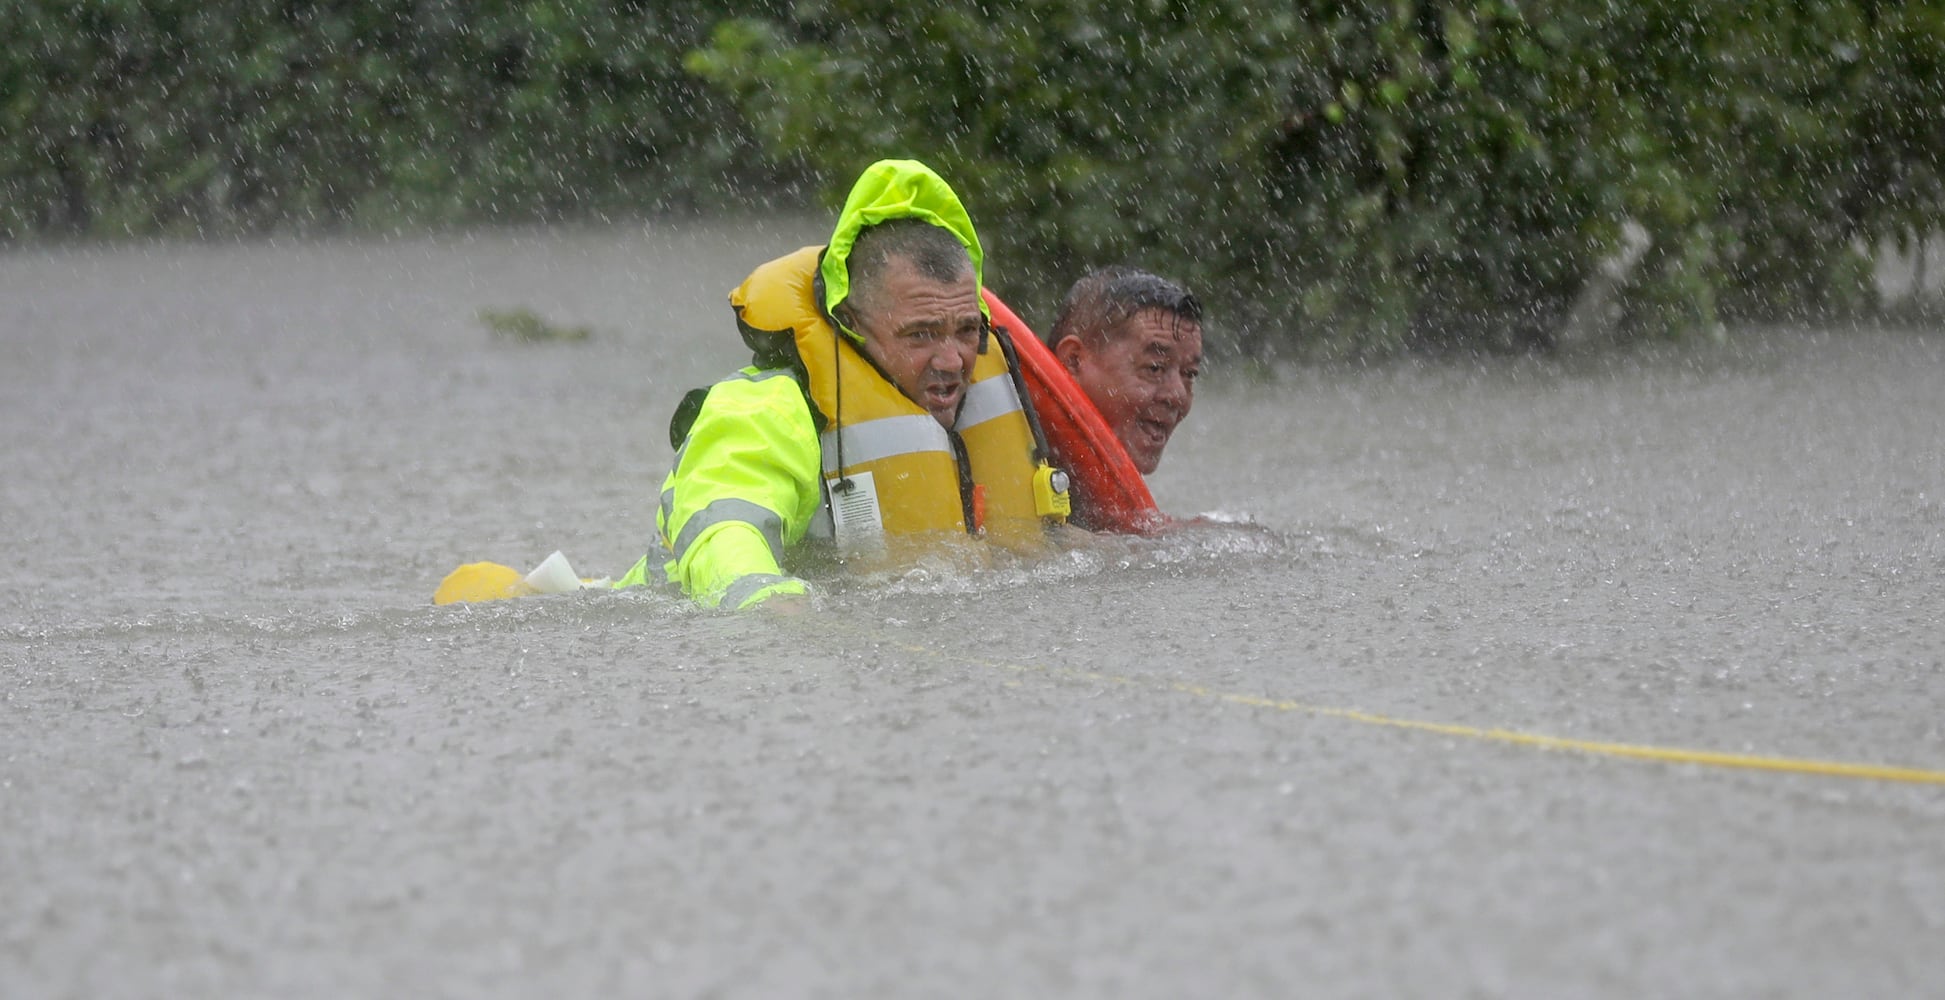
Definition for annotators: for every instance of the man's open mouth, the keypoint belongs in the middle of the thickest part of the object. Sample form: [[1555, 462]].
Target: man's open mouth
[[940, 394], [1154, 431]]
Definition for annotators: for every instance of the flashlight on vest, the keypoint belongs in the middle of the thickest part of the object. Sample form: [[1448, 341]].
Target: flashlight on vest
[[1050, 497]]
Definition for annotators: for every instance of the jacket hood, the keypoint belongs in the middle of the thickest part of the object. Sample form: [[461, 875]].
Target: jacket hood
[[894, 189]]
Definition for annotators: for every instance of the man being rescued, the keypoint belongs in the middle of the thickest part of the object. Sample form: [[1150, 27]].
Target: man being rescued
[[1129, 344]]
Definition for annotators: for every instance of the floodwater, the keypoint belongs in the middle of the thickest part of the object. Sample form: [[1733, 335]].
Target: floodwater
[[242, 755]]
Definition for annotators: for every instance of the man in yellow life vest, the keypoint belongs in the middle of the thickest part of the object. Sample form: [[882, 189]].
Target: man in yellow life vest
[[883, 411]]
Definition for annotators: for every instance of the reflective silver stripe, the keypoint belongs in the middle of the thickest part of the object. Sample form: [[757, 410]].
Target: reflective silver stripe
[[764, 375], [875, 439], [757, 516], [736, 593], [822, 526], [985, 400]]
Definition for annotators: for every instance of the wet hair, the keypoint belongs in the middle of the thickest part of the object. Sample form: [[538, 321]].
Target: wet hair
[[933, 251], [1105, 298]]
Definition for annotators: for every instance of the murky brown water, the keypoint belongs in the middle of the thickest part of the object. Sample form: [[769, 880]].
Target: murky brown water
[[240, 754]]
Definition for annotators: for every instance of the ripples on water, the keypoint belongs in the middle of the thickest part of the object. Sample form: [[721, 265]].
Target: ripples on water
[[1213, 543], [241, 754]]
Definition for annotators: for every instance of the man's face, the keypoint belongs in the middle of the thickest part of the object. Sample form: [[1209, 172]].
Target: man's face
[[923, 333], [1142, 379]]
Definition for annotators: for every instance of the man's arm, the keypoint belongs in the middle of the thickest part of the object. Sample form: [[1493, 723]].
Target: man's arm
[[745, 486]]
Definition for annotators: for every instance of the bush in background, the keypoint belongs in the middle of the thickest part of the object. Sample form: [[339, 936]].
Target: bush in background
[[1366, 176], [1337, 178], [173, 116]]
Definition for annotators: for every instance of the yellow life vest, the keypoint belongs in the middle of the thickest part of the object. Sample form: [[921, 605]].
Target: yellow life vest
[[905, 494]]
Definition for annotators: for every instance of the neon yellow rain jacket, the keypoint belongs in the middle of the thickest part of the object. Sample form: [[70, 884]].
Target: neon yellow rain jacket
[[747, 480]]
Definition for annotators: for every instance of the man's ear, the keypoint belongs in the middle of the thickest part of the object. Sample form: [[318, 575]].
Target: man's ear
[[1069, 351]]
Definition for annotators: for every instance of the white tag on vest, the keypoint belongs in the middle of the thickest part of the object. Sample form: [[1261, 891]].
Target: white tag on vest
[[854, 512]]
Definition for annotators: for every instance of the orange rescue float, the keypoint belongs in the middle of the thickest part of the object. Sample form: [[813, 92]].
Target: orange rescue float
[[1110, 493]]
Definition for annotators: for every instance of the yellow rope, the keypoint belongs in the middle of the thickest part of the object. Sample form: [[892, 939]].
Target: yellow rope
[[1709, 758]]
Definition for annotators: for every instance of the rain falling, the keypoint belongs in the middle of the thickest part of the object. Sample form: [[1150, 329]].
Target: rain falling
[[1544, 594]]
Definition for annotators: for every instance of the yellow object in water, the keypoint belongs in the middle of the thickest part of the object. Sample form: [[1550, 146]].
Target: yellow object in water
[[485, 581], [482, 581]]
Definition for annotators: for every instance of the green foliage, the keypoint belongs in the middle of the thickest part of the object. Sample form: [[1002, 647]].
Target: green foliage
[[1334, 177], [1059, 123], [169, 115], [1364, 176]]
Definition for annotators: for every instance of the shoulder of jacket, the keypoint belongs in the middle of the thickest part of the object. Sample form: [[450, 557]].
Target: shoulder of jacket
[[760, 384], [750, 394]]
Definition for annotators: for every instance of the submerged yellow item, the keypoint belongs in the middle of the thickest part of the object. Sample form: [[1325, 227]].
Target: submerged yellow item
[[481, 581], [485, 581]]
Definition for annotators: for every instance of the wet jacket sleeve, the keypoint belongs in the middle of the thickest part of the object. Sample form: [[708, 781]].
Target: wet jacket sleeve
[[744, 488]]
